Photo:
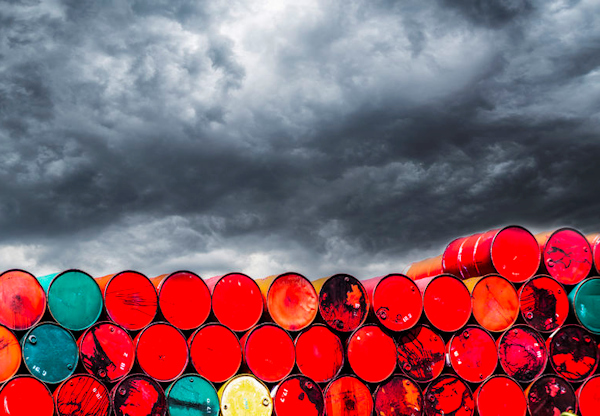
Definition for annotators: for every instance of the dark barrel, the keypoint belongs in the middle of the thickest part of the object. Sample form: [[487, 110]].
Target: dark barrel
[[543, 303], [298, 395], [348, 396], [398, 396], [573, 352], [421, 353], [550, 395], [138, 395], [448, 395], [522, 353], [343, 302]]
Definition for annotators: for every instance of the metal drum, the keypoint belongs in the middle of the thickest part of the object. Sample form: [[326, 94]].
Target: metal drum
[[138, 395], [442, 294], [25, 396], [421, 353], [192, 395], [348, 396], [588, 396], [298, 395], [566, 255], [543, 303], [522, 353], [425, 268], [550, 395], [371, 353], [573, 353], [472, 354], [10, 354], [215, 352], [398, 396], [448, 395], [343, 302], [22, 300], [82, 395], [585, 303], [245, 395], [500, 396], [495, 302], [319, 353], [269, 352]]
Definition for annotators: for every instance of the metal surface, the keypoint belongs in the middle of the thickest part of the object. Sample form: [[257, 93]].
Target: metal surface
[[594, 240], [319, 353], [161, 351], [588, 396], [371, 354], [543, 303], [398, 396], [425, 268], [500, 396], [585, 303], [25, 396], [495, 302], [421, 353], [269, 352], [343, 302], [448, 395], [292, 301], [192, 395], [245, 395], [298, 395], [473, 354], [10, 354], [573, 352], [550, 395], [442, 294], [215, 352], [138, 395], [82, 395], [348, 396], [522, 353], [566, 255], [22, 300]]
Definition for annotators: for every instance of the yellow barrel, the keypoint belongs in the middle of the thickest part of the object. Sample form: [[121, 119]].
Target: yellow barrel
[[245, 395]]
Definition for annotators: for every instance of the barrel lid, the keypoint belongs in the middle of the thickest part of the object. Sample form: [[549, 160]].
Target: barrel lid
[[215, 352], [586, 304], [319, 353], [245, 395], [292, 301], [573, 352], [348, 396], [550, 395], [448, 395], [588, 396], [184, 300], [371, 353], [82, 394], [522, 353], [421, 353], [25, 396], [495, 303], [447, 293], [500, 396], [161, 351], [543, 302], [567, 256], [298, 395], [515, 253], [269, 352], [398, 396], [237, 302], [10, 354], [131, 300], [473, 354], [22, 300], [343, 302], [394, 315], [138, 395], [192, 394]]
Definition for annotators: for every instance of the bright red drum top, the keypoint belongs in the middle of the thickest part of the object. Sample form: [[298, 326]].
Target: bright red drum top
[[22, 300], [298, 396], [371, 354], [215, 352], [473, 354], [399, 396], [588, 396], [319, 353], [567, 256], [394, 315], [237, 302], [130, 299], [162, 351], [184, 300], [448, 395], [500, 396], [82, 395], [25, 396], [515, 254], [348, 396], [522, 353], [269, 352], [450, 259], [138, 395], [421, 353], [544, 303], [447, 303], [573, 352]]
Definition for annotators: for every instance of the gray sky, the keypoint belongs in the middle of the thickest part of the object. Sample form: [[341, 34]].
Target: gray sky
[[319, 136]]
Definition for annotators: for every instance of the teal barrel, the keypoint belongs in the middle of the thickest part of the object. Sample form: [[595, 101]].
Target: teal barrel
[[49, 352], [74, 298], [585, 303], [192, 395]]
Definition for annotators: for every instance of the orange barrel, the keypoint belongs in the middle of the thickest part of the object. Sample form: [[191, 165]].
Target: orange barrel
[[298, 395], [495, 302], [522, 353], [245, 395], [446, 302], [398, 396], [371, 353], [594, 240], [421, 353], [106, 351], [448, 395], [162, 351], [269, 352], [138, 395], [130, 299], [588, 396], [566, 255], [25, 396], [543, 303], [83, 395], [500, 396], [384, 293], [319, 353], [215, 352], [425, 268], [343, 302], [22, 300], [10, 354], [236, 301], [472, 354], [348, 396], [183, 298], [573, 352], [550, 395], [292, 301]]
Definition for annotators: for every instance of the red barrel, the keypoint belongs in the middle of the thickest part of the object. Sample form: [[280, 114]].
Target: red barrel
[[138, 395], [495, 302], [446, 302], [500, 396], [472, 354], [522, 353], [82, 395], [573, 352], [448, 395], [451, 259], [236, 301], [22, 300], [550, 395], [566, 255], [106, 351], [298, 395], [215, 352], [588, 396], [371, 354], [343, 302], [543, 303], [425, 268], [319, 353], [348, 396], [384, 293], [25, 396], [269, 352], [162, 351], [10, 354], [594, 240], [421, 353], [398, 396]]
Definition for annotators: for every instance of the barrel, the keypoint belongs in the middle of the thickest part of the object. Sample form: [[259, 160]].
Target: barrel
[[343, 302], [588, 396], [138, 395], [421, 353], [192, 395], [22, 300], [371, 353], [473, 354], [298, 395], [348, 396], [82, 395], [495, 302], [500, 395], [106, 351], [448, 395], [425, 268], [398, 396], [269, 352], [522, 353], [543, 303], [550, 395], [384, 293], [215, 352], [236, 301], [319, 353], [573, 352], [442, 294], [244, 395], [594, 240], [566, 255], [585, 303], [10, 354], [25, 396]]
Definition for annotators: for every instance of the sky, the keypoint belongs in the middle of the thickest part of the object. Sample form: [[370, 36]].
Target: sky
[[319, 136]]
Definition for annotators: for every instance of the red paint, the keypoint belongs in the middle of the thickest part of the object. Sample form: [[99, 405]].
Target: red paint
[[522, 353], [130, 299], [371, 354], [348, 396], [292, 301], [343, 302], [573, 352], [500, 396], [543, 303], [550, 395], [237, 301], [215, 352], [588, 396], [466, 259], [399, 396], [82, 395], [594, 241], [184, 300], [22, 300], [319, 353], [566, 255], [421, 353], [162, 351], [473, 354], [444, 294], [384, 293], [512, 252], [448, 395], [495, 303], [138, 395], [450, 258], [298, 396], [25, 396], [269, 352]]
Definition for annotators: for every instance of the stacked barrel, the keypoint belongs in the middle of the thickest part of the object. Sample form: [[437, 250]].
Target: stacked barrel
[[502, 323]]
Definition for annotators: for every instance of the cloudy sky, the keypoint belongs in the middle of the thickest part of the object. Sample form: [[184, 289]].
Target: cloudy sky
[[318, 136]]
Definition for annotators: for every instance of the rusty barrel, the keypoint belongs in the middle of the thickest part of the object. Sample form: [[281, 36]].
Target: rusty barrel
[[244, 395], [215, 352], [421, 353], [495, 302], [566, 255], [522, 353], [371, 353], [22, 300], [236, 301], [573, 352], [425, 268], [138, 395], [543, 303], [82, 395], [319, 353], [588, 396], [594, 240], [10, 354], [550, 395], [190, 395], [25, 396], [472, 354], [398, 396], [448, 395], [343, 302], [384, 293], [446, 302], [298, 395], [585, 304], [346, 395], [500, 396]]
